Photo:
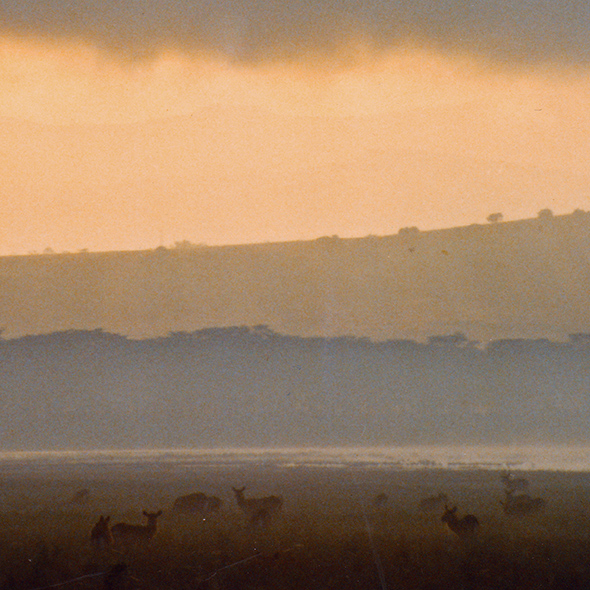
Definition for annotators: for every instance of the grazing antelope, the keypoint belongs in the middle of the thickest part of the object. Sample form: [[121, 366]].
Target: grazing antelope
[[380, 501], [463, 527], [100, 535], [433, 503], [521, 504], [80, 497], [514, 484], [258, 510], [197, 503], [123, 532]]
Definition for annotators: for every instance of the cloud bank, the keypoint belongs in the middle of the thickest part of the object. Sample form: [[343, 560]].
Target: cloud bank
[[527, 31]]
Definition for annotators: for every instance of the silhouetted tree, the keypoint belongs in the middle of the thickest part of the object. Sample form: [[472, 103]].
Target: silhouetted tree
[[456, 339], [409, 231], [545, 214], [495, 217]]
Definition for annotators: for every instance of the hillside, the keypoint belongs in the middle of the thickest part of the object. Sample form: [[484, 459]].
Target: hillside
[[521, 279]]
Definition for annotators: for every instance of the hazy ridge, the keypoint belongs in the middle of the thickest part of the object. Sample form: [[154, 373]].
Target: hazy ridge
[[526, 278]]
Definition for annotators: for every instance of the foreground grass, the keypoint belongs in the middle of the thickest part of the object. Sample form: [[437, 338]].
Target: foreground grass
[[329, 535]]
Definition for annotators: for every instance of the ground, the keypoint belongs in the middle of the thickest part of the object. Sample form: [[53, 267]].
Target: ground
[[329, 535]]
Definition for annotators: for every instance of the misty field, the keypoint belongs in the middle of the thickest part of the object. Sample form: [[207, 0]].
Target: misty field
[[330, 533]]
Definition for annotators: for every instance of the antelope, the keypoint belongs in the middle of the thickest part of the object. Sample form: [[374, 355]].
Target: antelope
[[432, 503], [521, 504], [380, 501], [258, 510], [514, 484], [100, 535], [463, 527], [80, 497], [137, 532], [197, 503]]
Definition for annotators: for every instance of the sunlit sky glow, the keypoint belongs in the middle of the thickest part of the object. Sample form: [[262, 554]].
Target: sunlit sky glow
[[238, 123]]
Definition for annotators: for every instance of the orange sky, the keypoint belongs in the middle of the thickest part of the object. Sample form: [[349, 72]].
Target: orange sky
[[103, 154]]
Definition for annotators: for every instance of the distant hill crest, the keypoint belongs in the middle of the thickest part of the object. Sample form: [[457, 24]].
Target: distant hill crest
[[504, 279]]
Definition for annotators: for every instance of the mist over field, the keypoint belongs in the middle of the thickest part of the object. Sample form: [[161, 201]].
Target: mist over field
[[252, 387]]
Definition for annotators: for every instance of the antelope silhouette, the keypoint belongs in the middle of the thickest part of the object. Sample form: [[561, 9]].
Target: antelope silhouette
[[463, 527], [514, 484], [123, 532], [380, 501], [101, 536], [521, 504], [258, 510], [197, 503], [80, 497]]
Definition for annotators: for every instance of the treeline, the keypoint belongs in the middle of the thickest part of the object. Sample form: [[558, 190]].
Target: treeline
[[251, 386]]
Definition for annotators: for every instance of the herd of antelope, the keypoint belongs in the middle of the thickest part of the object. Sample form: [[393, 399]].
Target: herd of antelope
[[517, 502], [516, 499], [258, 511], [261, 511]]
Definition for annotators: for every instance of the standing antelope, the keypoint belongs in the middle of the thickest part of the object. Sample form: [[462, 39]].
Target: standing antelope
[[463, 527], [521, 504], [380, 501], [100, 535], [514, 484], [80, 497], [258, 510], [123, 532], [197, 503]]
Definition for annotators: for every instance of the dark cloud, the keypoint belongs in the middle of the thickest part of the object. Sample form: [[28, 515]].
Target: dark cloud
[[505, 30]]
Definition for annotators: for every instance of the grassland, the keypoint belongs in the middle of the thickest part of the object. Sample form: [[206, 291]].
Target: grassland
[[328, 536]]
